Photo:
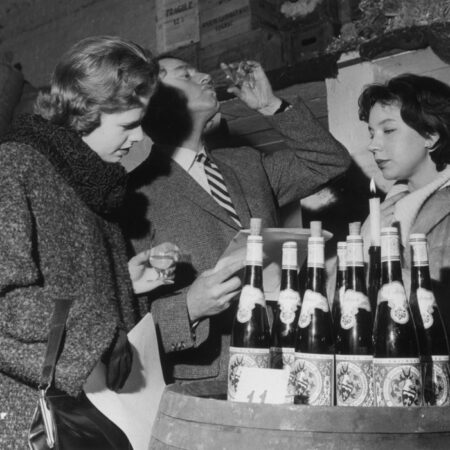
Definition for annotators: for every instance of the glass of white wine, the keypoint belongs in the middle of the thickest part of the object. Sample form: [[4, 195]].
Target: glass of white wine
[[238, 73], [163, 259]]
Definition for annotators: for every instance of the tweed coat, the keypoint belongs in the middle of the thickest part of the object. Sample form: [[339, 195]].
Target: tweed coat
[[180, 211], [52, 246]]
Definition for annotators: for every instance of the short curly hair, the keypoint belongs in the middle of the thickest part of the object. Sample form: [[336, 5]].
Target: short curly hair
[[424, 106], [99, 74]]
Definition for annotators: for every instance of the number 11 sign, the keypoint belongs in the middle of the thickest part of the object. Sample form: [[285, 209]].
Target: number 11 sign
[[257, 385]]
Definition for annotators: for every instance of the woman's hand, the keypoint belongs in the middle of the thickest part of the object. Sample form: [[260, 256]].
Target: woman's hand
[[144, 277]]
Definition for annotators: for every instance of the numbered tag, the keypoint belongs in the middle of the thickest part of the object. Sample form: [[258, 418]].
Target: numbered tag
[[262, 385]]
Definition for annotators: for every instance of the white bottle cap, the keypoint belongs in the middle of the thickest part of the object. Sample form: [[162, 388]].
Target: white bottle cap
[[254, 250], [316, 257], [354, 228], [255, 226], [289, 260], [341, 254], [315, 227], [390, 248], [419, 251], [355, 255]]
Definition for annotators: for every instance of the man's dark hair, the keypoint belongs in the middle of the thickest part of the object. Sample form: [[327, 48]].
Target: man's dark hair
[[167, 120]]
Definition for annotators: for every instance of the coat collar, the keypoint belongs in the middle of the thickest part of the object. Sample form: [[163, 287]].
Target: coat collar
[[433, 212]]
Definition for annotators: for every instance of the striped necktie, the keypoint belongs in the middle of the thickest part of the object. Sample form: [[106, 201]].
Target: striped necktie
[[218, 188]]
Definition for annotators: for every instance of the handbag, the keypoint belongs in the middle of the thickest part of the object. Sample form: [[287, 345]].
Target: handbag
[[62, 422]]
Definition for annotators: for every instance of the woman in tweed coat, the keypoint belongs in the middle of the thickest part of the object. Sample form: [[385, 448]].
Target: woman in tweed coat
[[60, 189]]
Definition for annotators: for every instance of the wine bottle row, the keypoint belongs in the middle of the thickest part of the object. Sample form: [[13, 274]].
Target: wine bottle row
[[350, 355]]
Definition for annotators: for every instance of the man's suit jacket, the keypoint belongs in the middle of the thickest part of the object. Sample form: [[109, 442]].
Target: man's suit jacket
[[171, 206]]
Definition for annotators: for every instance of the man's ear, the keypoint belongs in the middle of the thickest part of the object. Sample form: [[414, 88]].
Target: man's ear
[[162, 73], [431, 141]]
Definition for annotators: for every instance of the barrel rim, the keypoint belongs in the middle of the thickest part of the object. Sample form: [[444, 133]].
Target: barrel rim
[[186, 402]]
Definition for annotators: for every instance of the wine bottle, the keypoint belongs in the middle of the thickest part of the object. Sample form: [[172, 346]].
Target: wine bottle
[[374, 281], [396, 363], [340, 281], [250, 334], [354, 371], [313, 372], [431, 332], [287, 309]]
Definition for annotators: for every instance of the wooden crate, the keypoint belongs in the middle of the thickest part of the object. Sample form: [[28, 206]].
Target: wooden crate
[[223, 19], [267, 13], [260, 45], [307, 42]]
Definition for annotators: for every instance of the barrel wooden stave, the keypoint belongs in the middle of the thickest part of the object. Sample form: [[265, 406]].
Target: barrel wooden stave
[[188, 419]]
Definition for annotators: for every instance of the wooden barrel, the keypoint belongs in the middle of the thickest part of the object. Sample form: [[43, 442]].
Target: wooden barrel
[[196, 416]]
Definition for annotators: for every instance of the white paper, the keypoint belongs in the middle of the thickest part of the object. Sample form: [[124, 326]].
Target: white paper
[[273, 239], [134, 408], [258, 385]]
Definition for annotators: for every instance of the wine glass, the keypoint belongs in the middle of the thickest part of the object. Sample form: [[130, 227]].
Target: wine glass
[[163, 258], [238, 73]]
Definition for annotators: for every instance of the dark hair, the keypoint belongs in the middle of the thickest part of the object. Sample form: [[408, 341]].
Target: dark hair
[[100, 74], [167, 120], [424, 106]]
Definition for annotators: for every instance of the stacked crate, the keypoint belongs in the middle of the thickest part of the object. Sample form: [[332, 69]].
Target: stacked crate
[[303, 37], [229, 32]]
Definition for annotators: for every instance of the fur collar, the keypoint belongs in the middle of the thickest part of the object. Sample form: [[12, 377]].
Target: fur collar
[[100, 185]]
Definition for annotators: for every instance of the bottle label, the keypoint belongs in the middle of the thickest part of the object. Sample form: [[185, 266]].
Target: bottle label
[[283, 358], [397, 381], [394, 293], [311, 300], [437, 381], [313, 378], [427, 302], [289, 301], [352, 301], [244, 357], [354, 380], [250, 296]]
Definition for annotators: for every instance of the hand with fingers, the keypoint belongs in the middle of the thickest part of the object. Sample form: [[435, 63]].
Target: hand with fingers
[[212, 292], [253, 88], [144, 277]]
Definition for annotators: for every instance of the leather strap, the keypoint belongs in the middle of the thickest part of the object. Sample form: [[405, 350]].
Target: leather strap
[[285, 105], [55, 337]]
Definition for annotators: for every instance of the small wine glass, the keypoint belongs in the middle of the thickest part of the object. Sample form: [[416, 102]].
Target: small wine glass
[[163, 258], [238, 73]]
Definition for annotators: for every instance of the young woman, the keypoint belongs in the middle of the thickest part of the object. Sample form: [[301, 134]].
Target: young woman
[[409, 124], [60, 190]]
